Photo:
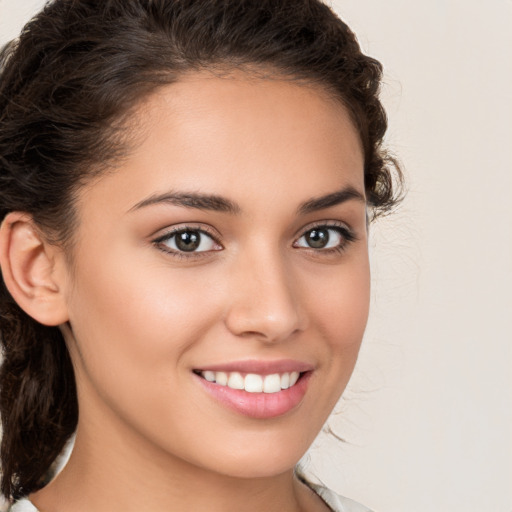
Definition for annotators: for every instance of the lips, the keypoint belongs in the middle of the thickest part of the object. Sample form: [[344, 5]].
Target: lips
[[257, 389]]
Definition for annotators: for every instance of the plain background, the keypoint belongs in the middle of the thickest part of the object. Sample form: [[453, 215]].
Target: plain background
[[427, 418]]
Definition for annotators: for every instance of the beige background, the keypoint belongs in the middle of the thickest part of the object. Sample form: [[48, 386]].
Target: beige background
[[428, 415]]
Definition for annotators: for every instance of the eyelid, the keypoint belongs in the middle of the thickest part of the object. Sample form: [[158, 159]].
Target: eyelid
[[186, 226], [326, 224], [345, 231], [171, 231]]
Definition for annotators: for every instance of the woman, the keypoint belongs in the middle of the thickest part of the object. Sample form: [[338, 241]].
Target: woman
[[185, 192]]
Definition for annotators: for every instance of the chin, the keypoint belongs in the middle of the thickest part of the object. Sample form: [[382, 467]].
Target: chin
[[259, 459]]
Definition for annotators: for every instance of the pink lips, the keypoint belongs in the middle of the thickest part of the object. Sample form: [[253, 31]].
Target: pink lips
[[261, 367], [259, 405]]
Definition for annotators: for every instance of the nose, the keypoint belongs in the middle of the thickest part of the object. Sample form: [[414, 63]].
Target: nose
[[265, 300]]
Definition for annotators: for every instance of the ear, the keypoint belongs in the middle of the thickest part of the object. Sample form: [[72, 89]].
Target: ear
[[32, 270]]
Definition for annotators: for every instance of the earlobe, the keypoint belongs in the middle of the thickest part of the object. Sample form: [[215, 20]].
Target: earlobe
[[28, 265]]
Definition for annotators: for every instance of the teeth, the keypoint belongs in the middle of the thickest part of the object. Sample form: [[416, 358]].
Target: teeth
[[235, 381], [209, 376], [272, 383], [221, 378], [252, 382]]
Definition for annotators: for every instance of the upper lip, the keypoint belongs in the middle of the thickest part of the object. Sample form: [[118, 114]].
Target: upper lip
[[260, 367]]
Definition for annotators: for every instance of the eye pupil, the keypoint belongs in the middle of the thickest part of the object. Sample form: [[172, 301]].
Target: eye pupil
[[188, 240], [317, 238]]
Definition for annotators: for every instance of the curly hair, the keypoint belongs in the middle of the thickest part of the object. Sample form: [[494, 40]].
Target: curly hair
[[67, 86]]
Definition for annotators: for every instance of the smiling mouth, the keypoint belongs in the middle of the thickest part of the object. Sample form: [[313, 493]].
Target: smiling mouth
[[252, 382]]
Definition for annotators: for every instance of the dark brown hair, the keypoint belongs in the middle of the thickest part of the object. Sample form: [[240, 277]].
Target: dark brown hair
[[66, 87]]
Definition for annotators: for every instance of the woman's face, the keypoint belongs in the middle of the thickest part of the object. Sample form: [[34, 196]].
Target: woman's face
[[229, 250]]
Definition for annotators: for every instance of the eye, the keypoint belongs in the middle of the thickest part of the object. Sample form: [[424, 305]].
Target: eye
[[187, 240], [325, 237]]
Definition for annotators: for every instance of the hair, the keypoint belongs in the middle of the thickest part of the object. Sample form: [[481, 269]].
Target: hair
[[67, 87]]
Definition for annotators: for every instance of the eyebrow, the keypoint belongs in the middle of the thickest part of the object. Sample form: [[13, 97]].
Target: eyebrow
[[330, 200], [217, 203], [192, 200]]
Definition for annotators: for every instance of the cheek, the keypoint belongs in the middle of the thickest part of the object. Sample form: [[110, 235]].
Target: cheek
[[341, 308], [339, 311], [131, 318], [134, 333]]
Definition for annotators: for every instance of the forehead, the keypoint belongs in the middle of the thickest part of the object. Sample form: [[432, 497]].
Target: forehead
[[238, 136]]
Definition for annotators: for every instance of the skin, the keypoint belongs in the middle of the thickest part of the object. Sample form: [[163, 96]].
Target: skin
[[141, 318]]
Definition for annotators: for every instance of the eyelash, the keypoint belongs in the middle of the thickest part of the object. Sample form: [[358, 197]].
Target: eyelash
[[346, 234], [159, 242]]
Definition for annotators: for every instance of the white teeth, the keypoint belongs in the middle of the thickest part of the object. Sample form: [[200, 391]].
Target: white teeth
[[272, 383], [235, 381], [221, 378], [253, 383], [294, 376], [209, 376]]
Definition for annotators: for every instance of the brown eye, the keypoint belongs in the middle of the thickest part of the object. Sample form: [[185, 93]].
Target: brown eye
[[317, 238], [325, 238], [188, 241]]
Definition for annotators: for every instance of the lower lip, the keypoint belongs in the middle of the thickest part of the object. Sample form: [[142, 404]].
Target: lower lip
[[259, 405]]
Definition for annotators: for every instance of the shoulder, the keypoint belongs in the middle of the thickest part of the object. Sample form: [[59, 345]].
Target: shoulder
[[23, 505], [336, 502]]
